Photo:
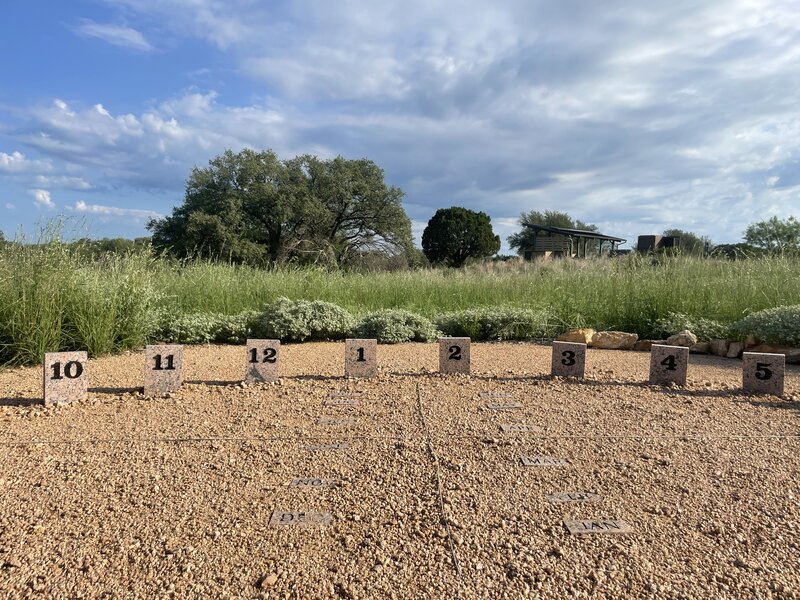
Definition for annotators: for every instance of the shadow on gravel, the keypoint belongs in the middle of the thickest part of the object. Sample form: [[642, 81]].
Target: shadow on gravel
[[785, 405], [216, 383], [20, 401], [115, 390]]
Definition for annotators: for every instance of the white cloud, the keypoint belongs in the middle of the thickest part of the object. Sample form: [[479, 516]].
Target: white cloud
[[63, 182], [117, 35], [17, 163], [10, 206], [113, 211], [42, 198]]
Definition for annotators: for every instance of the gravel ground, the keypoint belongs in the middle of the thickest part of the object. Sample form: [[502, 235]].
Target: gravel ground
[[134, 497]]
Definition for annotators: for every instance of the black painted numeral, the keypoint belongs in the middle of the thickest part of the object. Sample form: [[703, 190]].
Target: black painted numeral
[[763, 372], [361, 358], [569, 358], [72, 370], [670, 363], [270, 355], [170, 363], [454, 353]]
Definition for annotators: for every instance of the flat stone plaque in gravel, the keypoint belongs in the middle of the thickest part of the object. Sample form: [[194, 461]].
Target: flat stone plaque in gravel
[[454, 355], [64, 377], [333, 446], [763, 373], [597, 526], [344, 394], [163, 369], [262, 360], [496, 395], [300, 517], [503, 405], [311, 482], [341, 402], [519, 428], [573, 497], [668, 364], [569, 359], [360, 358], [334, 421], [543, 461]]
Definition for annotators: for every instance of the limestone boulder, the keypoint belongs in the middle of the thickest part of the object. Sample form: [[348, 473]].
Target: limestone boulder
[[646, 345], [700, 348], [683, 338], [578, 336], [614, 340], [719, 347], [735, 349]]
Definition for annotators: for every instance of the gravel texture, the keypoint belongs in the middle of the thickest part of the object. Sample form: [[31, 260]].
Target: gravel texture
[[135, 497]]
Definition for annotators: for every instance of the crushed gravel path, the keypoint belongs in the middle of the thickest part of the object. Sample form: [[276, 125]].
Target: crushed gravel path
[[427, 496]]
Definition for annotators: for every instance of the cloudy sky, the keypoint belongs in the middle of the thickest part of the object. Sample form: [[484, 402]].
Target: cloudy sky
[[634, 115]]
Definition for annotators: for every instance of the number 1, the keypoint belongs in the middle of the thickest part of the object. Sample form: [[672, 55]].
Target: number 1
[[170, 363], [361, 358]]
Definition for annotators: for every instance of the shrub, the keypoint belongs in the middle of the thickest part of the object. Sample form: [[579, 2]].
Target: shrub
[[779, 325], [300, 320], [704, 329], [193, 328], [500, 323], [395, 326], [235, 329]]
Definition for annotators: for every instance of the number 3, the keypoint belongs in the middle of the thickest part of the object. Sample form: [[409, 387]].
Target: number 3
[[569, 358]]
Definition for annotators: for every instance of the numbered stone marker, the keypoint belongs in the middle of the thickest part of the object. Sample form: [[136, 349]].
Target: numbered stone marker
[[64, 377], [543, 461], [496, 395], [573, 497], [341, 402], [360, 358], [300, 517], [312, 482], [597, 526], [454, 355], [519, 428], [503, 405], [333, 446], [262, 360], [163, 369], [569, 359], [668, 364], [763, 373], [335, 421]]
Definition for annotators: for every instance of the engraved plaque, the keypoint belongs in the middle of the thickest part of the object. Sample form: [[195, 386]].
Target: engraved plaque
[[341, 402], [573, 497], [454, 355], [668, 364], [312, 482], [503, 405], [64, 377], [344, 394], [597, 526], [543, 461], [333, 446], [300, 517], [519, 428], [360, 358], [569, 359], [262, 360], [335, 421], [496, 395], [763, 373], [163, 369]]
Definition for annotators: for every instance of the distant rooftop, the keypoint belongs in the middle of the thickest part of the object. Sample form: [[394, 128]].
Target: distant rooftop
[[577, 233]]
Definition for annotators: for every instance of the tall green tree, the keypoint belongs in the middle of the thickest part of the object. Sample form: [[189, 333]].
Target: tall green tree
[[774, 235], [251, 207], [455, 234], [524, 239], [690, 243]]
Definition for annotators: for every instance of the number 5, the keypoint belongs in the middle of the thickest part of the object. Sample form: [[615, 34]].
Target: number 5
[[762, 371]]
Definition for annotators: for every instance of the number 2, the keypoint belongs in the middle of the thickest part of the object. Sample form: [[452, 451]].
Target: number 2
[[454, 353]]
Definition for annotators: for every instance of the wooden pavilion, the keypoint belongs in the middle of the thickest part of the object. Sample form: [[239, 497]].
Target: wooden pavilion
[[555, 242]]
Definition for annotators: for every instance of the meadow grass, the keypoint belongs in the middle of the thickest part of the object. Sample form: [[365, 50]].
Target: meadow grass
[[53, 297]]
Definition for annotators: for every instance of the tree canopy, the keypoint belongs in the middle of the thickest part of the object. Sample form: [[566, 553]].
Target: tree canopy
[[690, 243], [774, 234], [251, 207], [455, 234], [524, 239]]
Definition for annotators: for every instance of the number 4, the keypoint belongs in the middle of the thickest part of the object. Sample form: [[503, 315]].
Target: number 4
[[670, 363]]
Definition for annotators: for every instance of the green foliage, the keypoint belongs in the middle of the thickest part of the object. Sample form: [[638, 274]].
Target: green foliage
[[500, 323], [301, 320], [704, 329], [778, 325], [774, 235], [255, 209], [740, 251], [524, 240], [690, 243], [455, 234], [392, 326], [206, 328]]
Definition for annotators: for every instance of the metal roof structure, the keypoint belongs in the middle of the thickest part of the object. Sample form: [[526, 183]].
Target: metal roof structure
[[577, 233]]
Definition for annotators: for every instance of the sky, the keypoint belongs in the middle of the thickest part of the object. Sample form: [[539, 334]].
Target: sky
[[634, 115]]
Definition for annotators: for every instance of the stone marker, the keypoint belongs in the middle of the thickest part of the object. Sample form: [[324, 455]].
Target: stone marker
[[668, 364], [64, 377], [763, 373], [335, 421], [341, 402], [573, 497], [344, 394], [333, 446], [300, 517], [360, 358], [454, 355], [163, 369], [312, 482], [543, 461], [519, 428], [597, 526], [503, 405], [496, 395], [262, 360], [569, 359]]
